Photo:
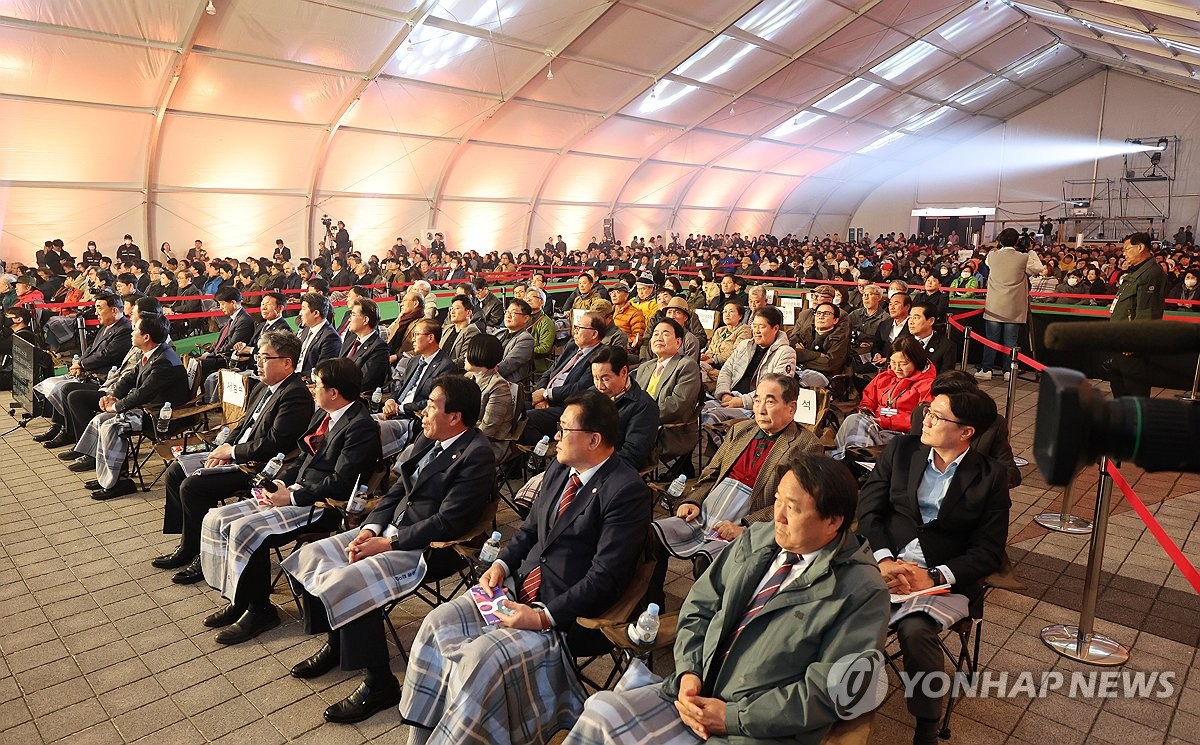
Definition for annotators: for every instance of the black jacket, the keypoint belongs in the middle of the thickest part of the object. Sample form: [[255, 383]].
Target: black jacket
[[108, 348], [160, 379], [345, 454], [371, 358], [277, 429]]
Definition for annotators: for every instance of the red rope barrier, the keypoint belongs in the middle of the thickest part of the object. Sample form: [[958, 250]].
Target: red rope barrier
[[1181, 562]]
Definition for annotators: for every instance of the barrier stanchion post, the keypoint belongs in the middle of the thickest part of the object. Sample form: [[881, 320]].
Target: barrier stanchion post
[[1063, 521], [1194, 395], [1014, 367], [81, 329], [1081, 643], [966, 346]]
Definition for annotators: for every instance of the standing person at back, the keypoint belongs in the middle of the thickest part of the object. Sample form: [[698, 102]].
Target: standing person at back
[[1006, 305], [1139, 298]]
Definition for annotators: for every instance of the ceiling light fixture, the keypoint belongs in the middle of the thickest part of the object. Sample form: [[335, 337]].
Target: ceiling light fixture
[[211, 9], [549, 65]]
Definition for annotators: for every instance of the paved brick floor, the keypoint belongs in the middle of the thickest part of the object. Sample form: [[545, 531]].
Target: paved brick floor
[[100, 647]]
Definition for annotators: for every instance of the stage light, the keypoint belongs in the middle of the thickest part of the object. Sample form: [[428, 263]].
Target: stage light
[[1162, 143]]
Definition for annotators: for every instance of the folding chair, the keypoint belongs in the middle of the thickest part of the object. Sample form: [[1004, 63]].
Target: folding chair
[[969, 632]]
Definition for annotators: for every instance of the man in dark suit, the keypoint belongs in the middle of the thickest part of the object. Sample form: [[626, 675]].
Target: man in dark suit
[[271, 312], [636, 409], [238, 330], [445, 483], [158, 378], [340, 276], [402, 410], [569, 374], [364, 345], [935, 512], [942, 351], [573, 556], [318, 338], [895, 325], [338, 452], [276, 415], [107, 350]]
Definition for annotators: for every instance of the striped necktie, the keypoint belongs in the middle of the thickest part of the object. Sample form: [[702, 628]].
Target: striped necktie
[[533, 582], [760, 600]]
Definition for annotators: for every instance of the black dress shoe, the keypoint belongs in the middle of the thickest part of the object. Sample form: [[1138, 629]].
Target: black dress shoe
[[364, 703], [92, 484], [122, 488], [251, 624], [320, 663], [223, 617], [189, 575], [82, 464], [54, 431], [173, 561], [70, 455], [61, 440]]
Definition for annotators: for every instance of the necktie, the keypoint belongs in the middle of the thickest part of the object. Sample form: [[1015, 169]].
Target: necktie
[[533, 582], [224, 334], [248, 427], [562, 374], [766, 593], [653, 387], [413, 381], [317, 438], [353, 349], [433, 453]]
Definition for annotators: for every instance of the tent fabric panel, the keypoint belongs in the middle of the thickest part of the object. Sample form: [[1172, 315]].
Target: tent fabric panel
[[746, 117], [975, 26], [307, 32], [633, 39], [645, 222], [766, 192], [657, 183], [484, 226], [375, 223], [583, 178], [73, 69], [488, 172], [792, 24], [395, 106], [757, 155], [539, 23], [699, 222], [718, 188], [623, 136], [749, 223], [457, 60], [913, 16], [799, 83], [728, 63], [856, 45], [533, 126], [850, 137], [207, 153], [696, 147], [237, 225], [371, 163], [583, 86], [806, 162], [59, 142], [76, 216], [577, 224], [702, 12], [153, 20], [211, 85], [898, 110], [1002, 52], [674, 102], [949, 81]]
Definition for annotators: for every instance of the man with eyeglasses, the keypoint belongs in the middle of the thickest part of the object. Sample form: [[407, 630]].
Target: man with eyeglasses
[[673, 378], [518, 343], [276, 414], [573, 557], [364, 346], [570, 374], [823, 346], [955, 536]]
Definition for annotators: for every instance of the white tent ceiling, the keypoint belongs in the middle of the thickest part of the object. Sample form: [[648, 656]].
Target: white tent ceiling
[[155, 117]]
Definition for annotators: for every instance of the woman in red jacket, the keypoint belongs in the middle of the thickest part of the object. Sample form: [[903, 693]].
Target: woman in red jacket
[[888, 401]]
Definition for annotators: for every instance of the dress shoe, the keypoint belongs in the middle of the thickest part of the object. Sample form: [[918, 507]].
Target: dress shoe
[[320, 663], [122, 488], [189, 575], [223, 617], [54, 431], [82, 464], [62, 440], [70, 455], [251, 624], [92, 484], [173, 561], [364, 703]]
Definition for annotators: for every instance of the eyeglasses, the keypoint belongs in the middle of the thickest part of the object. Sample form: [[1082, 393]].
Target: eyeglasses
[[561, 429], [265, 357], [583, 328], [823, 313], [930, 414], [514, 313]]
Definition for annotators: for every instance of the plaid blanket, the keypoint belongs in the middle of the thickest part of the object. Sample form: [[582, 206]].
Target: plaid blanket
[[394, 435], [231, 533], [728, 500], [470, 682], [110, 447], [947, 610], [350, 591], [635, 712]]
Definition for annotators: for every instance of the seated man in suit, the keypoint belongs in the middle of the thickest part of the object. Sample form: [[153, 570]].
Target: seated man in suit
[[921, 319], [107, 349], [445, 482], [673, 378], [636, 409], [277, 413], [992, 442], [570, 373], [158, 378], [238, 330], [738, 485], [271, 310], [891, 328], [573, 556], [402, 411], [318, 338], [760, 632], [338, 451], [364, 346], [951, 531]]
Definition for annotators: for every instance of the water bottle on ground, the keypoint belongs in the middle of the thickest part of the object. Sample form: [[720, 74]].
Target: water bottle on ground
[[269, 471], [645, 631], [164, 419]]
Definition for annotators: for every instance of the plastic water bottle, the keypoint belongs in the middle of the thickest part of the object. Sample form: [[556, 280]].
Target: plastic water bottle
[[645, 631], [222, 437], [677, 486], [490, 550], [75, 361], [270, 470], [357, 506], [164, 419], [537, 461], [377, 400]]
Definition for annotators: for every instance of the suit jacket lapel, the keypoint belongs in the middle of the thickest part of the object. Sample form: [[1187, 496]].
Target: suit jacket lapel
[[916, 470], [964, 476], [586, 494], [553, 489]]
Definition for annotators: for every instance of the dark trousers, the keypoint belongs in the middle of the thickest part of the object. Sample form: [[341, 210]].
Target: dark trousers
[[917, 635], [82, 405], [67, 389], [1130, 376], [254, 586], [190, 498], [540, 423]]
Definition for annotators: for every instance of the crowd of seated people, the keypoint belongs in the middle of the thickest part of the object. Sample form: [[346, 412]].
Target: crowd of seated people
[[623, 399]]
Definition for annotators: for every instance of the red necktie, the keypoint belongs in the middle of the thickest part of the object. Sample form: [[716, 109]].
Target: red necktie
[[316, 439], [353, 349], [766, 593], [533, 582], [224, 333]]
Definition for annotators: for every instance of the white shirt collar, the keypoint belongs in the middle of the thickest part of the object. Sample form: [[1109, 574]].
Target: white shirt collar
[[334, 416], [447, 443], [586, 476]]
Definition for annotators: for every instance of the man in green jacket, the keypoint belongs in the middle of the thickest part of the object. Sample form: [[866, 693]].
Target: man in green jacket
[[1139, 298], [541, 327], [765, 634]]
